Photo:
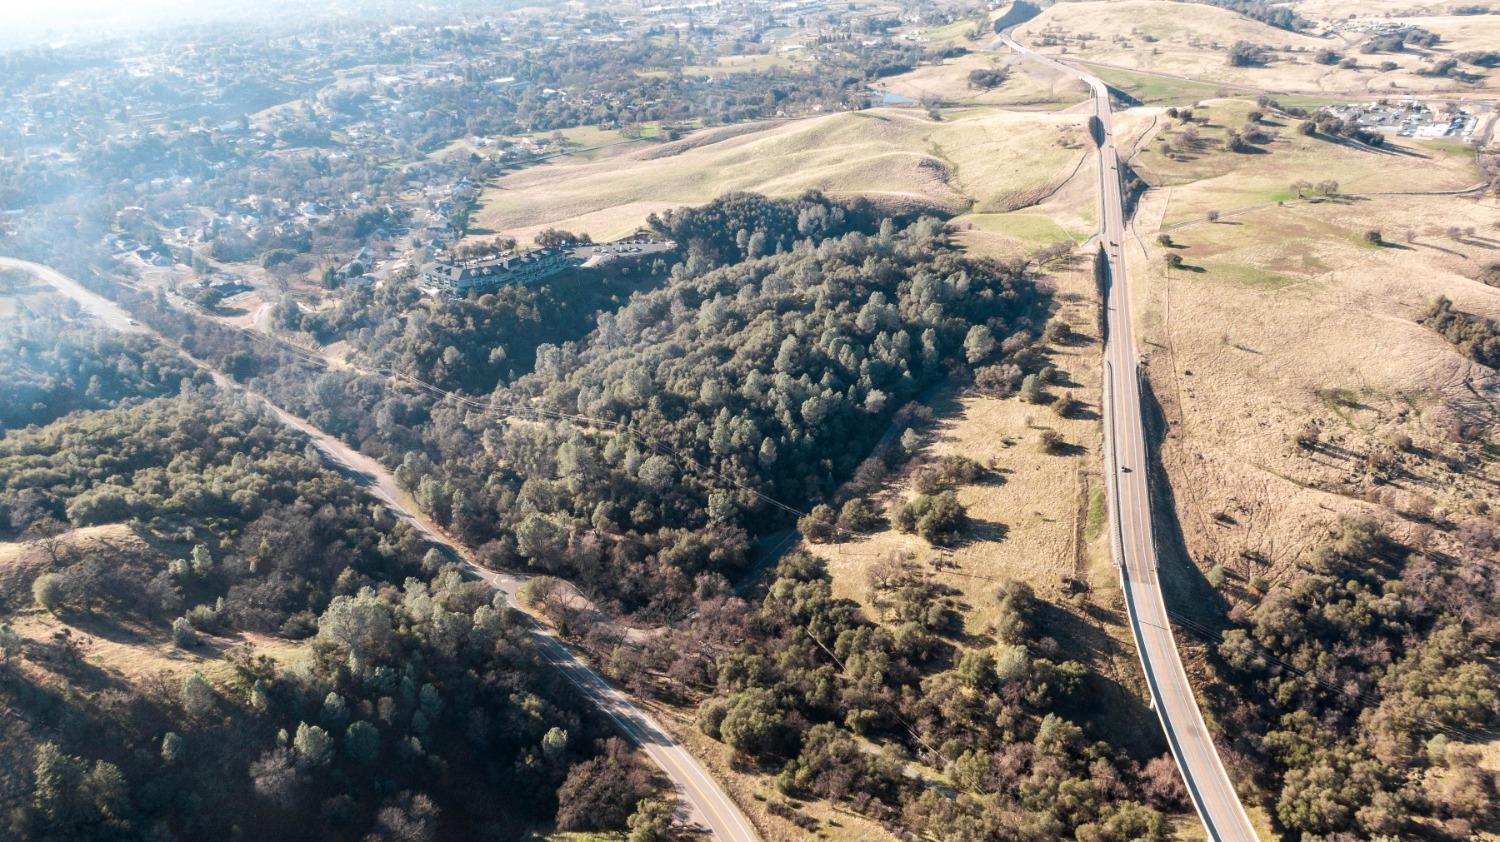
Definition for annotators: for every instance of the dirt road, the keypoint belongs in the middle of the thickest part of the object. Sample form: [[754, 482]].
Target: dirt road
[[706, 803]]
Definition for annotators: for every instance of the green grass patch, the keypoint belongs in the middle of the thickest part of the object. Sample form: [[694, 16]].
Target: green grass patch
[[1029, 227], [1093, 525], [749, 63], [957, 30], [1156, 90], [1449, 148], [1239, 274]]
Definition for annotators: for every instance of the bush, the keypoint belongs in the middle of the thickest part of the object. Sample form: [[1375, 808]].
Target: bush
[[753, 724], [1051, 442], [1032, 391], [819, 525], [938, 518], [183, 634], [987, 77], [48, 591], [1246, 54], [857, 515]]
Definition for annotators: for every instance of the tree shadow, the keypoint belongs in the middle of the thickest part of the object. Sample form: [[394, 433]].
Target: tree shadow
[[1067, 448], [1184, 588], [1105, 705], [979, 530]]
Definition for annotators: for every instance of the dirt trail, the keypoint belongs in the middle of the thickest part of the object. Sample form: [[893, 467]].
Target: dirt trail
[[706, 803]]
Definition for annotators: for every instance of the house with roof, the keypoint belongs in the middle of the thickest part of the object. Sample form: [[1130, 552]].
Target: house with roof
[[490, 273]]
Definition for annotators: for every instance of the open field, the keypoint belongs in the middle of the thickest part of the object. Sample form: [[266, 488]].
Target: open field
[[1286, 316], [1199, 176], [1191, 40], [753, 62], [754, 791], [1154, 89], [117, 653], [1033, 229], [984, 159], [1030, 86]]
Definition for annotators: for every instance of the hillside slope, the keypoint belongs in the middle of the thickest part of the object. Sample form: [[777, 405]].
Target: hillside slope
[[902, 159]]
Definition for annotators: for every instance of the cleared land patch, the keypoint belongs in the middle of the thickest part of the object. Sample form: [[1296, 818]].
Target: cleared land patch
[[1028, 85]]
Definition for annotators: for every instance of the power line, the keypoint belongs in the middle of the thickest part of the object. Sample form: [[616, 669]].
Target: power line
[[583, 421]]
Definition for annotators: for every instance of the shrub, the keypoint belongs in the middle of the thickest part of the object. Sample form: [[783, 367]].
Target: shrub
[[938, 518], [183, 633], [857, 515], [1246, 54], [47, 590], [1032, 391], [818, 526], [987, 77]]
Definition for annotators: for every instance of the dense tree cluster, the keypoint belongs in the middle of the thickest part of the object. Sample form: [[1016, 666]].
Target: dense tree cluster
[[283, 528], [475, 343], [1477, 337], [769, 363], [814, 683], [1358, 675], [1246, 54], [50, 367], [410, 697], [1396, 42], [1265, 11]]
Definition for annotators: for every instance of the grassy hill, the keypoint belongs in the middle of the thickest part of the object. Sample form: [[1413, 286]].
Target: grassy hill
[[1192, 39], [971, 159]]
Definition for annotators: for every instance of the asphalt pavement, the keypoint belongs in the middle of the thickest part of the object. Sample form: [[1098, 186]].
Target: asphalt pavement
[[1129, 499], [705, 803]]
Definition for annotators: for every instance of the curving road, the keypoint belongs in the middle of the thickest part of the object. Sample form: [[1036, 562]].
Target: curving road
[[1129, 497], [706, 803]]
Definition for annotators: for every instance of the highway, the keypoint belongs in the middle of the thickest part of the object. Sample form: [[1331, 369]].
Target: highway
[[705, 802], [1129, 500]]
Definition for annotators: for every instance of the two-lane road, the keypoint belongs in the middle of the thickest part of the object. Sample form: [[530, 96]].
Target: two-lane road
[[705, 802], [1129, 499]]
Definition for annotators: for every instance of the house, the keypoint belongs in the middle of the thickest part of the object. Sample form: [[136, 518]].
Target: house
[[501, 270]]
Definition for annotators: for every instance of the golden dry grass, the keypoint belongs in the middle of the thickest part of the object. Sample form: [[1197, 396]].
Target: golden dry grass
[[1190, 41], [982, 158], [752, 790], [136, 656], [1205, 177], [1295, 318], [29, 553], [129, 654], [1030, 86]]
